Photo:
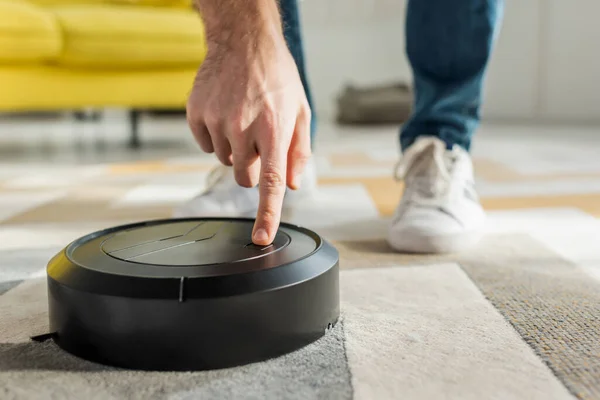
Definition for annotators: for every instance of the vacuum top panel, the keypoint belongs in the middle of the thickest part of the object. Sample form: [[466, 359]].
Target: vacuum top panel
[[190, 243], [193, 248]]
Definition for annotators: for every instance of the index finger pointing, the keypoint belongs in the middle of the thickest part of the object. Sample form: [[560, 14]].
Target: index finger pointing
[[271, 188]]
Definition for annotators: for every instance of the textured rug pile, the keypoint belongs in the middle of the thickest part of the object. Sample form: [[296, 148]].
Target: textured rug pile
[[509, 320]]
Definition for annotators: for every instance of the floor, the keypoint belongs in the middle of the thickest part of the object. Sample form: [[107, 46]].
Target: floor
[[516, 318], [541, 180]]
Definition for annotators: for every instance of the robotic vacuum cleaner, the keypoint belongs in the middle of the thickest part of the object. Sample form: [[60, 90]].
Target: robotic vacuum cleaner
[[191, 294]]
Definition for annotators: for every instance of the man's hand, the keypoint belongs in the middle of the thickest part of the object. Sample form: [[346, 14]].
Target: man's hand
[[248, 105]]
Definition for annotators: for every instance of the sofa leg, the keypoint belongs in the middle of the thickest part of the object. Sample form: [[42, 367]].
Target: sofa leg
[[134, 126], [87, 115]]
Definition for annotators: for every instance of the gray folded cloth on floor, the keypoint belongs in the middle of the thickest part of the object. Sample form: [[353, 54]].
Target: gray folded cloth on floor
[[376, 104]]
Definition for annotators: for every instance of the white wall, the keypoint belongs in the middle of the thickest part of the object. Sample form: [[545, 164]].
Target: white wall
[[544, 66], [358, 41], [571, 84], [512, 84]]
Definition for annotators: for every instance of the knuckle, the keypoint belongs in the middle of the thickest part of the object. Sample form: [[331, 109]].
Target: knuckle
[[268, 214], [212, 119], [273, 179], [194, 118], [223, 156], [269, 118], [301, 156], [227, 160], [205, 143], [236, 127], [206, 148], [245, 183], [243, 179], [220, 156]]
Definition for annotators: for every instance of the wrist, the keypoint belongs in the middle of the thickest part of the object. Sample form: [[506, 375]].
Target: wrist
[[244, 41], [232, 24]]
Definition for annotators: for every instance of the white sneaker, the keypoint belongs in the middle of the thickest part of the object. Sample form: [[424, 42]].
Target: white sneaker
[[439, 211], [223, 197]]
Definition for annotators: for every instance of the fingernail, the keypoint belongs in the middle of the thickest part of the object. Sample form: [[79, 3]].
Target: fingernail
[[261, 236]]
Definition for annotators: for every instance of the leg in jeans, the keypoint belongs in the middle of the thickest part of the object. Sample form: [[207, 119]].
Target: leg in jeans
[[292, 31], [448, 43]]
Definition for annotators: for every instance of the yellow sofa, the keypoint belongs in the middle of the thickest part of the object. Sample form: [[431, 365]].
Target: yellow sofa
[[76, 54]]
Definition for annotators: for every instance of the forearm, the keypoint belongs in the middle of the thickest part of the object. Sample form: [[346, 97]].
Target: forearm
[[240, 22]]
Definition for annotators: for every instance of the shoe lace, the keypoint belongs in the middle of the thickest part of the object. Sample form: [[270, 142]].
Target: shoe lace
[[422, 181]]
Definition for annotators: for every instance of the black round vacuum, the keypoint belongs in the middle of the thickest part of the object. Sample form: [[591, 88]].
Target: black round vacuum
[[191, 294]]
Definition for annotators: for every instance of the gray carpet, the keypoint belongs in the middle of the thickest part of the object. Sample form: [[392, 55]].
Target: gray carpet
[[42, 370]]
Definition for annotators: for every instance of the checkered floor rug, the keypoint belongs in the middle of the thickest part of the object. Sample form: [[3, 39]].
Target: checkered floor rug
[[518, 317], [511, 320]]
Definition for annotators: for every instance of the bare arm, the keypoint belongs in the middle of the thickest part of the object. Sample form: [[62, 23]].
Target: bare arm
[[248, 104], [239, 23]]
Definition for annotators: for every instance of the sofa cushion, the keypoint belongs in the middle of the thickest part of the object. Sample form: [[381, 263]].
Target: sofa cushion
[[27, 33], [130, 36]]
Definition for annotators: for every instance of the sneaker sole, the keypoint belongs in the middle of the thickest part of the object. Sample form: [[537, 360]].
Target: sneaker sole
[[420, 244]]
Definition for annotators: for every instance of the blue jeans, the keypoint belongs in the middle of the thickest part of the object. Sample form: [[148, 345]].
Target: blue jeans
[[293, 35], [448, 44]]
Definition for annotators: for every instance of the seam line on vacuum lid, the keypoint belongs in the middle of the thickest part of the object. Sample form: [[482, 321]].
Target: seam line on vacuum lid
[[166, 239], [166, 248], [194, 228], [182, 289], [175, 245], [149, 241]]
